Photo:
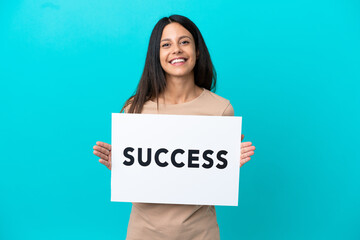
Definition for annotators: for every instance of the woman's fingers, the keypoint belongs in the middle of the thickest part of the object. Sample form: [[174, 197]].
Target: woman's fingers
[[246, 144], [101, 149], [243, 161], [106, 163], [104, 145], [101, 155], [247, 149], [247, 154]]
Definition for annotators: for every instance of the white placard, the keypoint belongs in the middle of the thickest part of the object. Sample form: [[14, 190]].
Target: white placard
[[179, 169]]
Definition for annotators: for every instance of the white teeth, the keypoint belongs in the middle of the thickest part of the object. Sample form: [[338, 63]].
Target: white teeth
[[177, 60]]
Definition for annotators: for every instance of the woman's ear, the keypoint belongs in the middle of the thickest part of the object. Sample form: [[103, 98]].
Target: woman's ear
[[197, 54]]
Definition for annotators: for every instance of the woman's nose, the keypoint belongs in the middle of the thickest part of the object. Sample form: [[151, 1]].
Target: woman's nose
[[177, 49]]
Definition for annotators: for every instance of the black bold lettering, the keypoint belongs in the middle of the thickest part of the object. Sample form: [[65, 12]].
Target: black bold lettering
[[176, 151], [193, 158], [130, 157], [221, 159], [160, 164], [208, 159], [148, 161]]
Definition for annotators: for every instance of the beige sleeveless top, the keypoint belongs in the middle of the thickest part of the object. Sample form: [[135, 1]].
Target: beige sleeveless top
[[150, 221]]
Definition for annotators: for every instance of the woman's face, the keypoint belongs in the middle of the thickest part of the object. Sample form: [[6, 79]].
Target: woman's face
[[177, 51]]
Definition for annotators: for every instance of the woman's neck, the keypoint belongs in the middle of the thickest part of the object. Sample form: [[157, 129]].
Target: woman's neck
[[179, 90]]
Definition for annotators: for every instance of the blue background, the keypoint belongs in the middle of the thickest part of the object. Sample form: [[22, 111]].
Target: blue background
[[290, 68]]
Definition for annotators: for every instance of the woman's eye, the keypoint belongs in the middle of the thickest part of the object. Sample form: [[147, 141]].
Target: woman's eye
[[165, 45], [184, 42]]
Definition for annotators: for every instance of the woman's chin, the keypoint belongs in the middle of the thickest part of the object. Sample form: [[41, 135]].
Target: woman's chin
[[180, 75]]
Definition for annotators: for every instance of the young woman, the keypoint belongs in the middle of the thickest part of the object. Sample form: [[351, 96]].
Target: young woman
[[177, 79]]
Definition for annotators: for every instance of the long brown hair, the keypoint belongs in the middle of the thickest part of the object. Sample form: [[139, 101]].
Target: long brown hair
[[153, 82]]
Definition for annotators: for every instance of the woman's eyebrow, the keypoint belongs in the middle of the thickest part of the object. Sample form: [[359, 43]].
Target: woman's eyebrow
[[168, 39]]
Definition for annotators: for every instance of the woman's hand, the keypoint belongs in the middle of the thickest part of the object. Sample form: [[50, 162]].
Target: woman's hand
[[247, 150], [103, 151]]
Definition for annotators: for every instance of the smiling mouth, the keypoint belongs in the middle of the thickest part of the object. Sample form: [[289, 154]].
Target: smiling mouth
[[178, 61]]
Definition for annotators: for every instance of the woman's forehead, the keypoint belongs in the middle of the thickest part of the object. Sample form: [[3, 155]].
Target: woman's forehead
[[174, 31]]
